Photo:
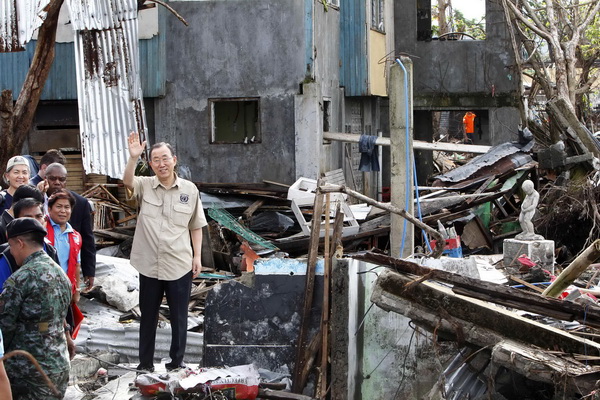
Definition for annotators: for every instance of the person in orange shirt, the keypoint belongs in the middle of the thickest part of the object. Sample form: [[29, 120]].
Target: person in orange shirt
[[469, 126]]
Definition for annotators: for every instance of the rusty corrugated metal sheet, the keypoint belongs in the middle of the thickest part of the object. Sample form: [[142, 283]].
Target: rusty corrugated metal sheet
[[18, 20], [109, 89], [498, 159], [101, 14]]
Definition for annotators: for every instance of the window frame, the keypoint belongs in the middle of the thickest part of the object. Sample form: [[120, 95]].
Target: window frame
[[377, 22], [212, 119]]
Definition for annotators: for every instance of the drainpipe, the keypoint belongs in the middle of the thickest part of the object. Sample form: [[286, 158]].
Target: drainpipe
[[309, 36]]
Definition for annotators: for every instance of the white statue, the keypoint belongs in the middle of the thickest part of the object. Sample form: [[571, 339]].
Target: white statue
[[528, 207]]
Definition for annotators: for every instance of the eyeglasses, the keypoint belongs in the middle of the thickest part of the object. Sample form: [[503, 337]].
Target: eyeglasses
[[163, 160], [56, 178]]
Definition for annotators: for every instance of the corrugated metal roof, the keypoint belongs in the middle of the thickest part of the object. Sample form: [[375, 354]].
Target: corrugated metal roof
[[109, 90], [18, 20], [9, 38], [101, 14], [512, 151]]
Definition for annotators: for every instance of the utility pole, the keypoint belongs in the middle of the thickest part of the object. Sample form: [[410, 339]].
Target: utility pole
[[402, 164]]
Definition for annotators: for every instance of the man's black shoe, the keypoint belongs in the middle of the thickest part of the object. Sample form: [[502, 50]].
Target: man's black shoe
[[145, 369], [171, 367]]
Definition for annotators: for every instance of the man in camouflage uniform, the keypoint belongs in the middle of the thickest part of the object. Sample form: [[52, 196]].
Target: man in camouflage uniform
[[33, 306]]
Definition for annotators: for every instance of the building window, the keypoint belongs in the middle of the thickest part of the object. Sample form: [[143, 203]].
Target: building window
[[326, 115], [377, 15], [235, 120], [335, 3], [460, 21]]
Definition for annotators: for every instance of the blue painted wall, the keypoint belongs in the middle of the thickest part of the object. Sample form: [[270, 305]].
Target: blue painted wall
[[353, 48], [62, 85]]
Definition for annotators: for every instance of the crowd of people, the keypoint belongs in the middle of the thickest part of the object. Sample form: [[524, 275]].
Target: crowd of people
[[48, 254], [46, 248]]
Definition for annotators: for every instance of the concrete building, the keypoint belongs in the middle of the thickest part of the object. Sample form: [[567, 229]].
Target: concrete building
[[246, 90], [252, 85], [456, 76]]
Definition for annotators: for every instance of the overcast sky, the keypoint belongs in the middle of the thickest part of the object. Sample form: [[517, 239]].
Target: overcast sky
[[471, 9]]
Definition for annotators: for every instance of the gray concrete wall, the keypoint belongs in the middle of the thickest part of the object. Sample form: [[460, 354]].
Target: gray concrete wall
[[463, 74], [458, 67], [376, 354], [233, 49], [314, 156]]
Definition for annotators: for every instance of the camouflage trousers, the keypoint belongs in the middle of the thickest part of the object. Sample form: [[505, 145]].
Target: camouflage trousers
[[36, 388]]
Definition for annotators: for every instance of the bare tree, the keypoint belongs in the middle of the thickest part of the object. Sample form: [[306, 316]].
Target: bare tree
[[562, 71], [16, 120], [443, 6]]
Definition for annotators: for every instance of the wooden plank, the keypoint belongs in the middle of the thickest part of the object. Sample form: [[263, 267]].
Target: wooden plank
[[322, 388], [336, 177], [545, 367], [499, 294], [253, 207], [572, 272], [482, 188], [417, 144], [466, 319], [525, 283], [313, 249]]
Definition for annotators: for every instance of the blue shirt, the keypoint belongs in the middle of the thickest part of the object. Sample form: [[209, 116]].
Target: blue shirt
[[62, 245], [5, 270], [7, 201]]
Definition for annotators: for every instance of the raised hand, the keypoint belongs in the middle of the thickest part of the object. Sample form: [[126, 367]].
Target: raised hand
[[135, 147]]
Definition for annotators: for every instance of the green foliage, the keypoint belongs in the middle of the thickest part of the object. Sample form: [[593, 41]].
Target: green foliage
[[471, 26], [458, 23], [591, 45]]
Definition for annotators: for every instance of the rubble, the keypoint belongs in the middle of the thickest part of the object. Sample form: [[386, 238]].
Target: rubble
[[261, 297]]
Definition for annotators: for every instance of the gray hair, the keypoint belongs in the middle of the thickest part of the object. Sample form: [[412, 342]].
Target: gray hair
[[56, 165]]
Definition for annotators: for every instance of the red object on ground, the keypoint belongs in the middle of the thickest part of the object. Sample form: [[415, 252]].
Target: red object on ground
[[526, 261], [453, 243]]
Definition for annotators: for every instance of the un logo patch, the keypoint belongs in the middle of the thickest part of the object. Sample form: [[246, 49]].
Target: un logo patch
[[184, 198]]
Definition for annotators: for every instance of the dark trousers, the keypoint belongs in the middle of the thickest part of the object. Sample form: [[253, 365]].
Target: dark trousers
[[178, 297]]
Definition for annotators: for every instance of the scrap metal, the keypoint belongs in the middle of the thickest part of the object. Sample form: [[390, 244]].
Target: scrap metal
[[108, 83], [18, 21]]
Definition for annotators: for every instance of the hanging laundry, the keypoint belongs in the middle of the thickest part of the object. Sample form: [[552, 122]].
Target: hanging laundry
[[369, 159]]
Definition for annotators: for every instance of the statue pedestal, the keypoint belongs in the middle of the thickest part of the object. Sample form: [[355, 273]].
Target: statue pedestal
[[539, 251]]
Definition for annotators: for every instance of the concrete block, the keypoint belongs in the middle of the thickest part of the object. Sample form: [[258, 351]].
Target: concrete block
[[463, 266], [539, 251]]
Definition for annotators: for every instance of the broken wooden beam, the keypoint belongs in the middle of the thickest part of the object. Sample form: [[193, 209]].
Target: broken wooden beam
[[491, 292], [253, 207], [468, 320], [298, 381], [436, 253], [544, 366], [417, 144], [572, 272], [559, 108]]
